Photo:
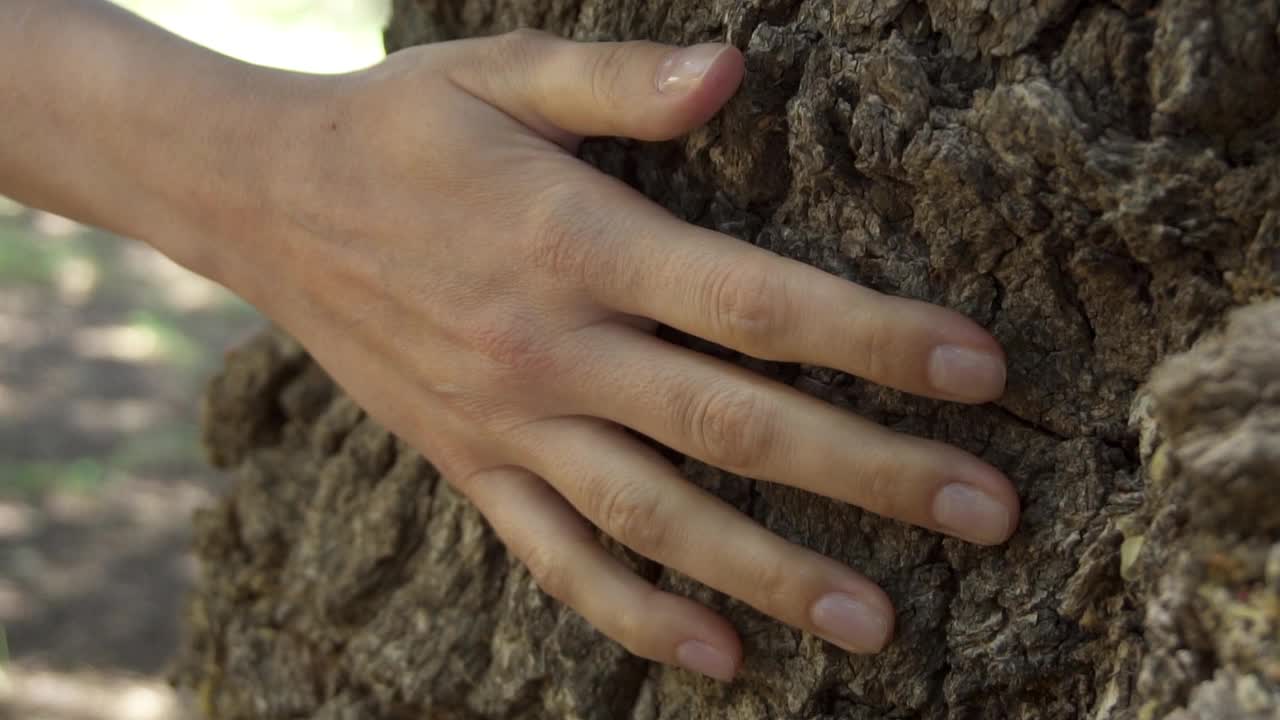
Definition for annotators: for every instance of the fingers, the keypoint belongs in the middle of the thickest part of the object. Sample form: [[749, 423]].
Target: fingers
[[700, 281], [718, 288], [638, 498], [642, 90], [562, 553], [734, 419]]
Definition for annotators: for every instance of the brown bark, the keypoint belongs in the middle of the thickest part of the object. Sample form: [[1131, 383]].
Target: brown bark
[[1097, 183]]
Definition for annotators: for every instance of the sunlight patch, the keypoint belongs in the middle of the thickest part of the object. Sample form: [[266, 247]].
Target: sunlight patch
[[45, 694], [117, 342]]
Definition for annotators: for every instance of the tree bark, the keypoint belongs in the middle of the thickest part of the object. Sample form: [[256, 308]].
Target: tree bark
[[1097, 183]]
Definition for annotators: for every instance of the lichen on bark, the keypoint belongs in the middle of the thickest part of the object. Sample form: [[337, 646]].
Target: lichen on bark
[[1097, 183]]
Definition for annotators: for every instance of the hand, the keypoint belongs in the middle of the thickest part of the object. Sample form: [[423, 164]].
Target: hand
[[491, 299]]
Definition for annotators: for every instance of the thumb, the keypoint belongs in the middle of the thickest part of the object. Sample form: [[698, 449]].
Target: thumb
[[641, 90]]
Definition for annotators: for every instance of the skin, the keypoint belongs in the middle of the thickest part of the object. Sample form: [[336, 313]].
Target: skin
[[424, 229]]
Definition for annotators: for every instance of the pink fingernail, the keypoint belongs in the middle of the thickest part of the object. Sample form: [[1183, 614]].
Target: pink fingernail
[[972, 514], [706, 659], [684, 69], [849, 623], [966, 374]]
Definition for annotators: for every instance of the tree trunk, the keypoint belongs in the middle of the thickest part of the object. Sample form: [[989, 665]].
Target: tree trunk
[[1097, 183]]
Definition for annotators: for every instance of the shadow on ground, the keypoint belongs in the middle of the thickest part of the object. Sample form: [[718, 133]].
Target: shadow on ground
[[104, 350]]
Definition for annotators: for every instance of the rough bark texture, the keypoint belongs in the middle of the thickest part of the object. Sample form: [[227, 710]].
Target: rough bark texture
[[1098, 183]]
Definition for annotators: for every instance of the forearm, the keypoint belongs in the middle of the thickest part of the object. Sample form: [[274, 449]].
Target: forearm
[[114, 122]]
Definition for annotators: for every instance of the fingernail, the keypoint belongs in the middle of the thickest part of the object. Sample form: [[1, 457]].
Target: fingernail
[[850, 624], [966, 374], [683, 69], [972, 514], [702, 658]]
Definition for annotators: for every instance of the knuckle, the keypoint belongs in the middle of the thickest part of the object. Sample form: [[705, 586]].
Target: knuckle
[[631, 630], [880, 492], [560, 241], [877, 346], [514, 347], [749, 302], [548, 572], [501, 65], [633, 515], [776, 590], [735, 428], [606, 72], [518, 47]]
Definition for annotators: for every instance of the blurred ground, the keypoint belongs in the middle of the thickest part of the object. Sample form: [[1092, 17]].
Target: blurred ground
[[104, 350], [105, 347]]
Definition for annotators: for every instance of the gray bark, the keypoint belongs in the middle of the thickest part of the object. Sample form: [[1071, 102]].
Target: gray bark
[[1097, 183]]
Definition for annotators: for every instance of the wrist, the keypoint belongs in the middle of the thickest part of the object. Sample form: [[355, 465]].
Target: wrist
[[228, 183], [116, 123]]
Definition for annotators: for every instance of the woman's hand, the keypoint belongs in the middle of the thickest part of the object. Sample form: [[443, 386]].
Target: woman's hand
[[424, 229], [491, 299]]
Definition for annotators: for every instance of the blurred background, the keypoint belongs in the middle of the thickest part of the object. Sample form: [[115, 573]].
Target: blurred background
[[105, 347]]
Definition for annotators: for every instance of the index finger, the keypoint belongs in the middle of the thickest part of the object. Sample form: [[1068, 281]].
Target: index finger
[[775, 308]]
